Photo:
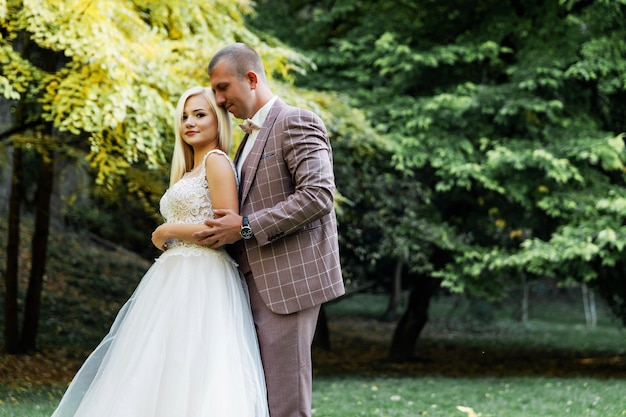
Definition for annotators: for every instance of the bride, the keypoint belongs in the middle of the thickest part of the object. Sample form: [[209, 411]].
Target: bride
[[184, 344]]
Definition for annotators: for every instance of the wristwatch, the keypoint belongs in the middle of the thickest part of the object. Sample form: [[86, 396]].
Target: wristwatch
[[246, 230]]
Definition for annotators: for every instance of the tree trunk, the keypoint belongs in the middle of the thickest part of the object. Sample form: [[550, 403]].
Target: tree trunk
[[414, 319], [11, 326], [589, 304], [593, 310], [525, 296], [39, 252], [394, 296]]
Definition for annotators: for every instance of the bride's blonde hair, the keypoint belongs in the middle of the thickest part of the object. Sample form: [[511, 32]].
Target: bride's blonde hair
[[182, 158]]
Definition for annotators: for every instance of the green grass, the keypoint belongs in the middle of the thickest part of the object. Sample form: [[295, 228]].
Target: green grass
[[440, 397], [34, 402], [427, 396]]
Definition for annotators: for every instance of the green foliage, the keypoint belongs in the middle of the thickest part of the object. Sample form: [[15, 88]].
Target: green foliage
[[124, 213], [508, 121], [107, 75], [104, 77], [111, 72]]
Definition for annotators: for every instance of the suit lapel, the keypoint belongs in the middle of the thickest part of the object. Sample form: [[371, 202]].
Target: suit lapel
[[240, 148], [251, 163]]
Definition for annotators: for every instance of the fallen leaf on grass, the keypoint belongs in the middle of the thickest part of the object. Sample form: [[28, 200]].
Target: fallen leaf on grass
[[468, 410]]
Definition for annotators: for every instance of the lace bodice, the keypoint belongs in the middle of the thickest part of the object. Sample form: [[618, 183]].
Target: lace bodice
[[188, 201]]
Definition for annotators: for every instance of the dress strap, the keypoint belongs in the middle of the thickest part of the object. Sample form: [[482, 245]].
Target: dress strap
[[219, 151], [213, 151]]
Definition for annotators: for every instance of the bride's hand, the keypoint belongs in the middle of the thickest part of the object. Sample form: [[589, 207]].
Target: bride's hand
[[159, 238]]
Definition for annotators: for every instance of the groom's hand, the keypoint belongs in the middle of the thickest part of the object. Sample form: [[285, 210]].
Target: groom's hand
[[224, 229]]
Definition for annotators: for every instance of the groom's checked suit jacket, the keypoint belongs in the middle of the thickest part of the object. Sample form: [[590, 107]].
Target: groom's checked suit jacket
[[287, 192]]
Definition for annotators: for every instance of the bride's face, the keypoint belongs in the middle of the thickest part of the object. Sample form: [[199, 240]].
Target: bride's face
[[198, 126]]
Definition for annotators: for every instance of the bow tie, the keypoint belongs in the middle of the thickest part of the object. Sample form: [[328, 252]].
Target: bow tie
[[248, 126]]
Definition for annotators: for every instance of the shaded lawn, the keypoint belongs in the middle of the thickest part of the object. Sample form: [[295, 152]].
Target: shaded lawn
[[359, 347], [555, 342]]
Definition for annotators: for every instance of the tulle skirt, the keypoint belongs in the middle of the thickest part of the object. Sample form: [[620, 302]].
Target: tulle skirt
[[184, 345]]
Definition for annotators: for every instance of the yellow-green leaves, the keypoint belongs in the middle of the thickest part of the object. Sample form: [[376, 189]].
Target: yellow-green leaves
[[110, 71]]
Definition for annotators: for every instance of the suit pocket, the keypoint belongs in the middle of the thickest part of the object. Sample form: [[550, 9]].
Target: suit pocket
[[313, 225]]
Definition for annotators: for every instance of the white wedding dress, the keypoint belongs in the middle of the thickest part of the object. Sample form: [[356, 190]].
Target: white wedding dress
[[184, 344]]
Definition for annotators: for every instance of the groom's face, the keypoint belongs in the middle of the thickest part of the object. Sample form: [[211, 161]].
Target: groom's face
[[233, 93]]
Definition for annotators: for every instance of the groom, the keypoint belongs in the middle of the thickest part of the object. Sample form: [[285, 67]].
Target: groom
[[285, 239]]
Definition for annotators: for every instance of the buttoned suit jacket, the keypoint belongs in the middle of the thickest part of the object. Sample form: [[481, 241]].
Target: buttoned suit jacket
[[287, 190]]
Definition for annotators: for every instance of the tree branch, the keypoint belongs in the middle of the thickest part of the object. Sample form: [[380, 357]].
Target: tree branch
[[6, 135]]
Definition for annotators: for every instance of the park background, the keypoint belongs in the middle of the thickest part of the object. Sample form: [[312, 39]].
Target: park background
[[479, 160]]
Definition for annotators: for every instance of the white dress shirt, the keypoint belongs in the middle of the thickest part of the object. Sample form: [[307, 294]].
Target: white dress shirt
[[258, 119]]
